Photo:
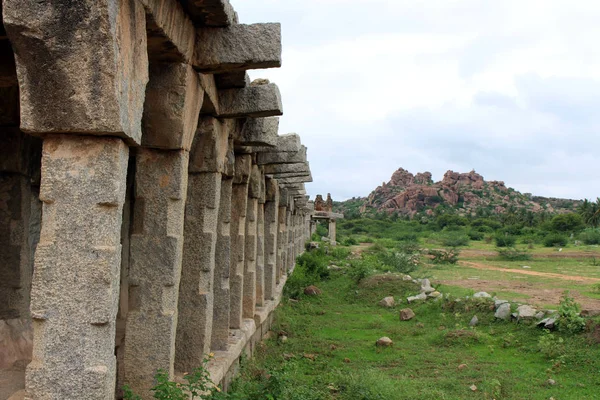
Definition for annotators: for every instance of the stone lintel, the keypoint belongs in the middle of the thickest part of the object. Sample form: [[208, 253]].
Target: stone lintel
[[250, 102], [230, 80], [288, 142], [216, 13], [170, 121], [286, 175], [238, 47], [285, 157], [171, 33], [210, 149], [258, 132], [298, 179], [80, 71], [287, 168], [327, 215]]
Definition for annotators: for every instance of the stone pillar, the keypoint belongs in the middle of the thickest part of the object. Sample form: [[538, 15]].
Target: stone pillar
[[196, 297], [291, 259], [260, 245], [155, 265], [271, 229], [76, 278], [239, 204], [332, 232], [251, 243], [220, 333], [281, 243]]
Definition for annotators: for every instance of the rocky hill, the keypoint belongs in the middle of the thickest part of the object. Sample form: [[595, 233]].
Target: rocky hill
[[408, 194]]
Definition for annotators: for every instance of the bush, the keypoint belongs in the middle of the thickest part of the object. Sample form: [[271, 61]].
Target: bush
[[350, 242], [446, 256], [409, 247], [566, 222], [555, 239], [197, 386], [513, 254], [399, 262], [454, 240], [590, 236], [504, 240], [360, 269], [475, 235], [569, 319], [551, 346]]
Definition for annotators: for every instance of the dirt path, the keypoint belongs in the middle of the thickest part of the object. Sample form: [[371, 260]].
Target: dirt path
[[566, 254], [578, 278]]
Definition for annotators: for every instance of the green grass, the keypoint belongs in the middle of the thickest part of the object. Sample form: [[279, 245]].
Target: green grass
[[340, 329]]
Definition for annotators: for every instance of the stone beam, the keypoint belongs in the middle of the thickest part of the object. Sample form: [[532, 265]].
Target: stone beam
[[238, 47], [258, 132], [287, 168], [289, 142], [210, 105], [216, 13], [294, 180], [170, 31], [229, 80], [284, 157], [286, 175], [210, 149], [170, 121], [80, 71], [254, 101]]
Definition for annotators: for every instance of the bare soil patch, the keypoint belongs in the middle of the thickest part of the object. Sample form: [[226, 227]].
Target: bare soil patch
[[578, 278], [567, 254]]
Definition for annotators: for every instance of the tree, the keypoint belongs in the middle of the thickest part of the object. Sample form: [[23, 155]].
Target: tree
[[590, 212]]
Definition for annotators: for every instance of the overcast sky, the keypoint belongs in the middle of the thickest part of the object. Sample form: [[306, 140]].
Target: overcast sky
[[509, 88]]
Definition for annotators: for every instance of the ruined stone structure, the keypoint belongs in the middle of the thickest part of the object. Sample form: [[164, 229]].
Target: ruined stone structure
[[323, 211], [149, 210]]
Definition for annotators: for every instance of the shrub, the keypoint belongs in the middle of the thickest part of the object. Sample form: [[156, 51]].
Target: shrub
[[409, 247], [360, 269], [445, 256], [569, 319], [475, 235], [315, 263], [399, 262], [198, 385], [350, 242], [454, 240], [504, 240], [590, 236], [566, 222], [551, 346], [513, 254], [555, 239]]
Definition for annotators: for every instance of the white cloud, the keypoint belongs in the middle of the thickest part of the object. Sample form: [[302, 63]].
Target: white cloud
[[509, 88]]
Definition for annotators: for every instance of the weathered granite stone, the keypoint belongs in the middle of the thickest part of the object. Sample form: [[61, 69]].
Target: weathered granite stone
[[260, 253], [387, 302], [281, 240], [406, 314], [238, 48], [82, 67], [250, 244], [196, 298], [290, 142], [221, 308], [82, 190], [286, 157], [210, 149], [170, 121], [303, 167], [239, 205], [218, 13], [229, 80], [271, 230], [503, 311], [250, 102], [259, 132], [171, 34], [155, 266]]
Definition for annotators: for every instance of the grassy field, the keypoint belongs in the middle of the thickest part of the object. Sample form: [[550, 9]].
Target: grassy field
[[324, 347]]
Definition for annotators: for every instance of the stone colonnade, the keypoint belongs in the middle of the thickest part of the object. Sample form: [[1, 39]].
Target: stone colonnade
[[149, 210]]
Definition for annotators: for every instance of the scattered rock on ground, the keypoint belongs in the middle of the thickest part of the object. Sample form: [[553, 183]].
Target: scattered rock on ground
[[498, 303], [482, 295], [540, 315], [334, 268], [384, 342], [434, 295], [462, 366], [407, 278], [420, 296], [474, 321], [547, 323], [473, 388], [526, 267], [312, 291], [426, 286], [283, 339], [313, 245], [551, 382], [387, 302], [503, 311], [406, 314], [525, 311]]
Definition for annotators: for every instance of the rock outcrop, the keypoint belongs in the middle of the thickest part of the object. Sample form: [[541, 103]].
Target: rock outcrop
[[408, 194]]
